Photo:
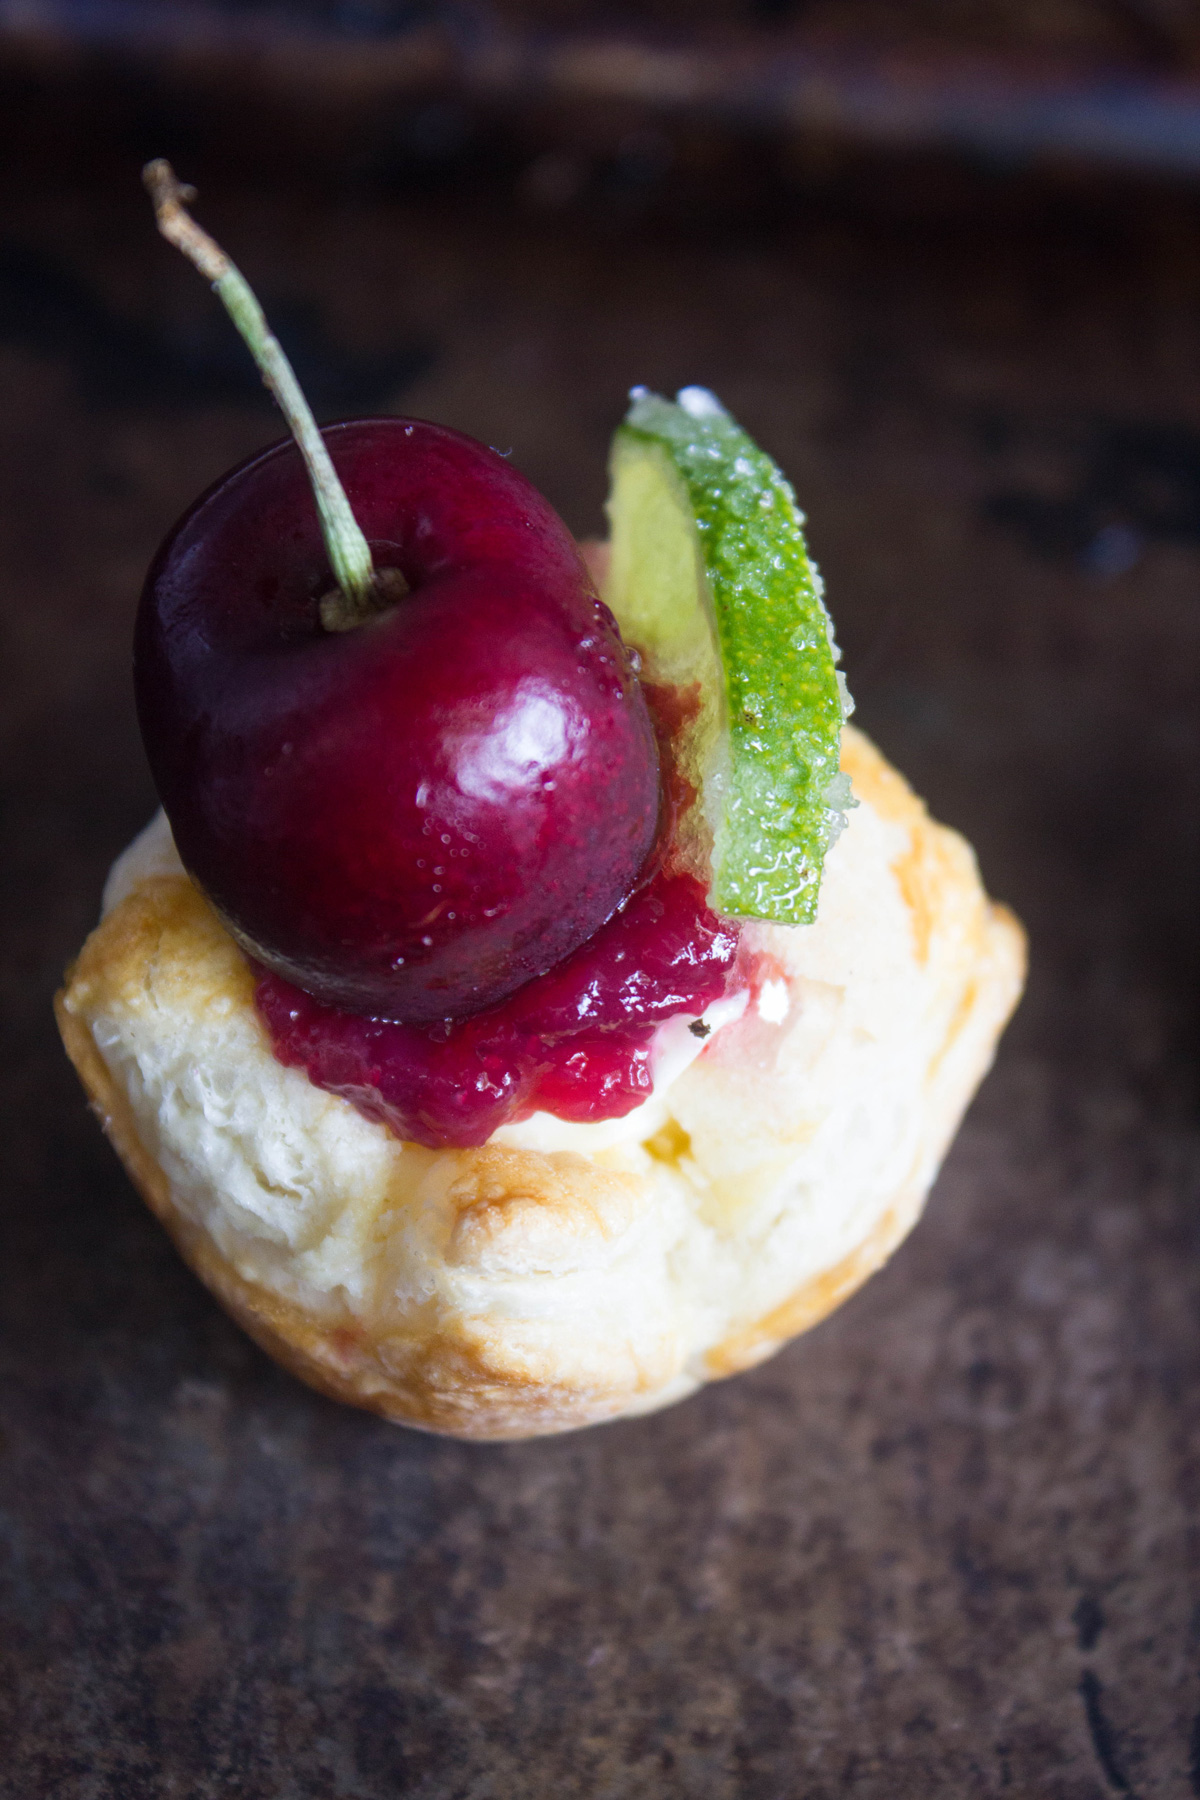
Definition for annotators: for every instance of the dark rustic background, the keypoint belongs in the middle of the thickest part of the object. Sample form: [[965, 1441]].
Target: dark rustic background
[[946, 1545]]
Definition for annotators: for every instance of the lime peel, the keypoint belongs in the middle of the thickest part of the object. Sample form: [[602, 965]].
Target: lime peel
[[711, 581]]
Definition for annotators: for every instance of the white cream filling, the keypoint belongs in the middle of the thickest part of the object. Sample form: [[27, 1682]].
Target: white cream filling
[[774, 1001], [674, 1048]]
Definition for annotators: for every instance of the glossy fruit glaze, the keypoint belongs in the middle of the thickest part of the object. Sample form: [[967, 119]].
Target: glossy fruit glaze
[[414, 818], [576, 1042]]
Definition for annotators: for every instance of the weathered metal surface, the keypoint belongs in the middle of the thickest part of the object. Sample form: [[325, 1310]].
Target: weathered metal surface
[[946, 1544]]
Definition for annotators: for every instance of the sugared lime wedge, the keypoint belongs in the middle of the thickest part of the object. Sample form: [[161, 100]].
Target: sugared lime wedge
[[711, 582]]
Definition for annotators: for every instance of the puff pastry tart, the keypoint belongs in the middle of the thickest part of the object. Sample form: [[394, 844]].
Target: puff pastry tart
[[561, 1273]]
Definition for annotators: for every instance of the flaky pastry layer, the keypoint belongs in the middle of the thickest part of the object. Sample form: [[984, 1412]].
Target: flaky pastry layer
[[507, 1292]]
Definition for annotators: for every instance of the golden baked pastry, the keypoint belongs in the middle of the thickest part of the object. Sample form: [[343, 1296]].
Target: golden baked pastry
[[562, 1274]]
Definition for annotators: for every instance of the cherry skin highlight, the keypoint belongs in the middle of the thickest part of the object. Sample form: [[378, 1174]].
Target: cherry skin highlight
[[413, 818]]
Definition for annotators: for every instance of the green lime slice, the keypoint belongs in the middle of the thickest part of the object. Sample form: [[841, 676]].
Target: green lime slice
[[711, 583]]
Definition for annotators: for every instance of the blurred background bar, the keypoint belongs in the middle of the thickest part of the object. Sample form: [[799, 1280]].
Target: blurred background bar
[[1108, 87]]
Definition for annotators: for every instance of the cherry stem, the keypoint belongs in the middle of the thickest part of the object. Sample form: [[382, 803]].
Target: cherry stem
[[349, 552]]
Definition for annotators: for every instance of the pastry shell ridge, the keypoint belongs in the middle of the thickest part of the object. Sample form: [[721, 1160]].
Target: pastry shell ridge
[[512, 1291]]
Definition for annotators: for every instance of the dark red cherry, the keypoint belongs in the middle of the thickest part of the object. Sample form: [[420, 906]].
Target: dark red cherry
[[413, 817]]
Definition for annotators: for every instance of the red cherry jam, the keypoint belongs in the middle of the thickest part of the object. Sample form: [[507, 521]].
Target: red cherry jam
[[575, 1041]]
